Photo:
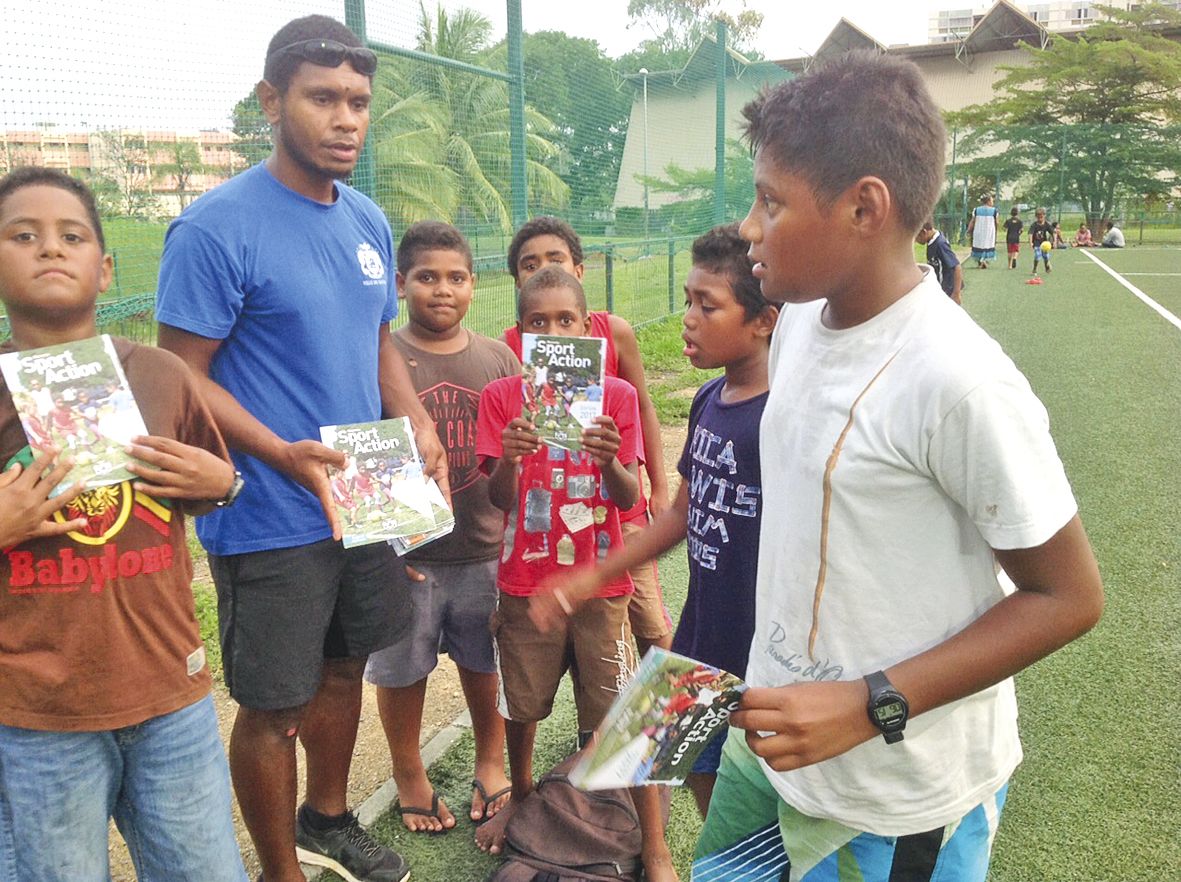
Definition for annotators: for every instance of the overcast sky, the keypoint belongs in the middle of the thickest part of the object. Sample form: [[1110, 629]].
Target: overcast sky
[[182, 64]]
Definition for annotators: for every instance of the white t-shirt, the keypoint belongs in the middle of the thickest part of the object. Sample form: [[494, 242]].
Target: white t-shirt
[[948, 456]]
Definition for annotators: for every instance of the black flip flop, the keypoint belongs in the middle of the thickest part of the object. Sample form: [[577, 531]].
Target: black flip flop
[[478, 786], [432, 812]]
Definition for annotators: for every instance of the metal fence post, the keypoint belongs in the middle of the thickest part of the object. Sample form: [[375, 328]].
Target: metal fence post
[[720, 130], [610, 268], [672, 278], [516, 107], [364, 176]]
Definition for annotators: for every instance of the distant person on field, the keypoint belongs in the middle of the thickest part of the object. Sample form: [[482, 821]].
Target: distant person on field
[[943, 261], [549, 241], [727, 324], [1039, 232], [1057, 240], [983, 229], [277, 288], [451, 605], [1082, 239], [551, 526], [105, 706], [910, 460], [1113, 236], [1013, 227]]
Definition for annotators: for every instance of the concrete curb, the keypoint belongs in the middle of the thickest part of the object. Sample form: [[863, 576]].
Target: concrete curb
[[383, 798]]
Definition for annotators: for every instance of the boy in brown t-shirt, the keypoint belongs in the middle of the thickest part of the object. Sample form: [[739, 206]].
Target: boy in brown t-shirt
[[455, 591], [104, 692]]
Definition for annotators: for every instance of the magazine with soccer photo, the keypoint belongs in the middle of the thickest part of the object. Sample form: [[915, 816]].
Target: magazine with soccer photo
[[562, 386], [74, 396], [381, 493], [444, 522], [659, 724]]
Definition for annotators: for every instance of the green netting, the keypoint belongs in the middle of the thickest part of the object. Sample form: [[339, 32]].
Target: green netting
[[154, 106]]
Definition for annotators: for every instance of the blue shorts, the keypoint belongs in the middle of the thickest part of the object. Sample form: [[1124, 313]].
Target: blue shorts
[[1038, 254], [451, 610], [752, 835], [164, 781]]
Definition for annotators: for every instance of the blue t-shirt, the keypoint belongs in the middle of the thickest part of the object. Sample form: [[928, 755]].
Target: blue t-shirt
[[297, 292], [720, 465]]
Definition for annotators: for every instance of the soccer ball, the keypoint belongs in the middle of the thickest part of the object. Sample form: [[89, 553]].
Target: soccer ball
[[1047, 247]]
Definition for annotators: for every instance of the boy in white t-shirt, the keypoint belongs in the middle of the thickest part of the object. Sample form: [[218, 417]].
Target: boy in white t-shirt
[[910, 458]]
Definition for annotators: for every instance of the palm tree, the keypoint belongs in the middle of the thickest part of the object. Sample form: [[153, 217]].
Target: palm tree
[[442, 136]]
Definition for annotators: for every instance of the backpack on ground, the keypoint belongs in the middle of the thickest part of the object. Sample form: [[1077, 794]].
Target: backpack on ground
[[562, 834]]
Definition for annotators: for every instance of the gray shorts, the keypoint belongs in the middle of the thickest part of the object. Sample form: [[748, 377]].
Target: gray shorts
[[281, 613], [449, 611]]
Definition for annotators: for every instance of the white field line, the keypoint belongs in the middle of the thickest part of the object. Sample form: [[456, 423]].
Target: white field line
[[1164, 313], [1151, 274]]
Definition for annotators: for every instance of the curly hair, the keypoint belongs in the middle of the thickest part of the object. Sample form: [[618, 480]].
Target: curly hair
[[39, 176]]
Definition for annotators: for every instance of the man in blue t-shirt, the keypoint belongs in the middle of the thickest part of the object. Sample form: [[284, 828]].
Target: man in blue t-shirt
[[277, 289], [943, 260]]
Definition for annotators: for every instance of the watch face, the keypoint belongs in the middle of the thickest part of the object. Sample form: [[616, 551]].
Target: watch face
[[889, 713]]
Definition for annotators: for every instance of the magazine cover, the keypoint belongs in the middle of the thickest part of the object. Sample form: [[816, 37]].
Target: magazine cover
[[74, 396], [444, 522], [659, 724], [380, 494], [562, 385]]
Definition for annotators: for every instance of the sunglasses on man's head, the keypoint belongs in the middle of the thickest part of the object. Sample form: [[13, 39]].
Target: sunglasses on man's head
[[330, 53]]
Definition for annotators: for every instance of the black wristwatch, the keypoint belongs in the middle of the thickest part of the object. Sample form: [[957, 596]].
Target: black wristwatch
[[232, 493], [888, 710]]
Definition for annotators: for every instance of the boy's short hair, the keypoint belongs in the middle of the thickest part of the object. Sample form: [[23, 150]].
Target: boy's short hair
[[547, 279], [1015, 211], [39, 176], [279, 69], [862, 114], [1040, 211], [928, 224], [722, 251], [431, 236], [546, 225]]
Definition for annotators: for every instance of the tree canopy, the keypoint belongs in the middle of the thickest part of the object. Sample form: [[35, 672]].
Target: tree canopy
[[1098, 115], [679, 25]]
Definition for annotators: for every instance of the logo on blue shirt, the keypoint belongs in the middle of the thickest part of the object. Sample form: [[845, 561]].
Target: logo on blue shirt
[[370, 260]]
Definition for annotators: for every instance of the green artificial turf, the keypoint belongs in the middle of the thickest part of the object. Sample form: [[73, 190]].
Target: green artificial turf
[[1097, 798]]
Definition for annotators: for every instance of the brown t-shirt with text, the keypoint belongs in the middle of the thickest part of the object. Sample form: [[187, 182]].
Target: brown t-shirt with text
[[449, 387], [97, 627]]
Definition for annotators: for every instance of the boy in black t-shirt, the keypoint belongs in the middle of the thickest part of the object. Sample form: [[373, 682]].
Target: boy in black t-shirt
[[1013, 227], [1039, 232], [943, 260]]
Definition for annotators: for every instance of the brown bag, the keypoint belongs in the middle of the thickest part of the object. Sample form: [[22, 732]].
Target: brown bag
[[562, 834]]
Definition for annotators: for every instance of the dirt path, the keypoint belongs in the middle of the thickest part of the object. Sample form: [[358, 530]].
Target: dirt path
[[371, 760]]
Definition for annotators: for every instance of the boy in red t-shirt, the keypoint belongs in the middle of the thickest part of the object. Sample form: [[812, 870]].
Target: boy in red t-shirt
[[562, 509], [550, 241]]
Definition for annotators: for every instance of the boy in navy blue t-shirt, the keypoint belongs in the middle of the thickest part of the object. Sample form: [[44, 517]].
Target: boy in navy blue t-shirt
[[943, 260], [728, 324]]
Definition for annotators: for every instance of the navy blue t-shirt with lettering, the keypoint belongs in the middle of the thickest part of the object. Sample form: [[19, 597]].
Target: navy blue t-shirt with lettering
[[720, 466]]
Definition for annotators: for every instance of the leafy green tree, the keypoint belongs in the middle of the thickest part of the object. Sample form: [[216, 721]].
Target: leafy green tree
[[182, 162], [694, 209], [679, 25], [571, 82], [442, 136], [123, 173], [252, 129], [1098, 115]]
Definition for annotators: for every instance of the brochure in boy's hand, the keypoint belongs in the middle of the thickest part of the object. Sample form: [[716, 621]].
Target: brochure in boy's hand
[[75, 397], [562, 385], [381, 493], [444, 522], [659, 724]]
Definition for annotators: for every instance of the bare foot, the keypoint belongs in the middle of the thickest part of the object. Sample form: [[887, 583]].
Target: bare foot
[[421, 808], [658, 866], [491, 792], [490, 834]]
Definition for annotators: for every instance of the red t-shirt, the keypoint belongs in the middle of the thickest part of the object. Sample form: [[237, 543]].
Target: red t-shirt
[[600, 327], [562, 518]]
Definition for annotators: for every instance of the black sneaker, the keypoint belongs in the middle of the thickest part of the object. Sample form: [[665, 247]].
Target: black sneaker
[[350, 852]]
